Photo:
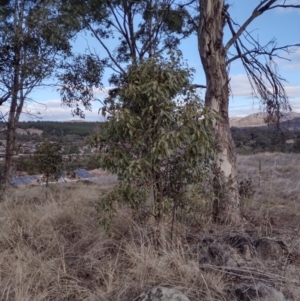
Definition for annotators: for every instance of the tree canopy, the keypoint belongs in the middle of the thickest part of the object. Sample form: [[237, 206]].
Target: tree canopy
[[128, 32], [34, 37]]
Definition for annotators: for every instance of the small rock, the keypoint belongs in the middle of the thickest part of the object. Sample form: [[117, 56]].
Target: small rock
[[247, 291], [217, 254], [271, 249], [160, 293]]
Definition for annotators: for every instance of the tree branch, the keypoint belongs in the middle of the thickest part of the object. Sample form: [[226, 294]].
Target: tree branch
[[106, 49], [260, 9], [266, 83], [284, 6], [196, 86], [263, 52]]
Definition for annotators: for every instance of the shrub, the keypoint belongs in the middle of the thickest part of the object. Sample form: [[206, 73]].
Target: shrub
[[158, 134], [48, 159]]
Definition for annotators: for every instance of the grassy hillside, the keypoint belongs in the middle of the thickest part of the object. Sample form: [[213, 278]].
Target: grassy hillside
[[53, 248]]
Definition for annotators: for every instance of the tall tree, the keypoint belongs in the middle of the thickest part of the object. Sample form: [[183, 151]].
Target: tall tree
[[265, 81], [146, 28], [142, 29], [33, 35]]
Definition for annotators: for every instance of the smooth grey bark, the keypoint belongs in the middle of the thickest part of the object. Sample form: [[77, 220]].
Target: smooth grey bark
[[213, 58]]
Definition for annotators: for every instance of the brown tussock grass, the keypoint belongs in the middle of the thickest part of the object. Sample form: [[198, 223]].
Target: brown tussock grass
[[52, 248]]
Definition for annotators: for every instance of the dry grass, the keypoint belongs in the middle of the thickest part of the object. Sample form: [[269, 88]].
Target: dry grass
[[276, 182], [52, 247], [274, 209]]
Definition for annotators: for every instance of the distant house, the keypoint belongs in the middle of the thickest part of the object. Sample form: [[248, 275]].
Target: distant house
[[82, 173], [24, 180]]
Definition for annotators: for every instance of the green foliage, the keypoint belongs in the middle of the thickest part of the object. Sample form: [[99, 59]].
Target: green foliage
[[124, 193], [265, 139], [196, 208], [70, 149], [48, 159], [61, 129], [27, 164], [141, 29], [92, 162], [176, 20], [34, 37], [82, 74], [157, 137]]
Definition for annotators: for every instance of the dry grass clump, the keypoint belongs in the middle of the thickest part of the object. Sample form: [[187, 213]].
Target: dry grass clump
[[52, 248], [40, 241]]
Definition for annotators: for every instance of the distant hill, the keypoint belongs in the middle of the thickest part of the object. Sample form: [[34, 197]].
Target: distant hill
[[290, 121]]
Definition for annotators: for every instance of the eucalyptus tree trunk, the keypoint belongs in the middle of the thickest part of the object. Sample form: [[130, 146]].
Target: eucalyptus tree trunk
[[10, 141], [15, 111], [15, 106], [213, 57]]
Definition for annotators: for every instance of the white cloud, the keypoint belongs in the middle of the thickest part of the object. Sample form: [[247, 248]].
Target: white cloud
[[293, 91], [240, 86], [293, 62], [242, 112], [54, 110], [242, 103]]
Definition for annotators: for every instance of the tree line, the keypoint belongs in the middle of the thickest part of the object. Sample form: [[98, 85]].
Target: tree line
[[265, 139], [61, 129]]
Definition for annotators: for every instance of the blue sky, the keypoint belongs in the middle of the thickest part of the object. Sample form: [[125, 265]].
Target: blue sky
[[282, 24]]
